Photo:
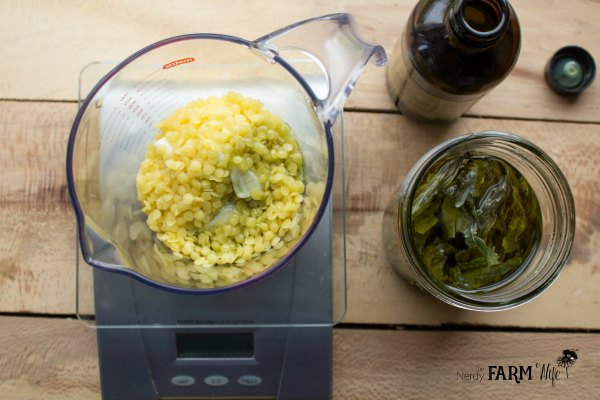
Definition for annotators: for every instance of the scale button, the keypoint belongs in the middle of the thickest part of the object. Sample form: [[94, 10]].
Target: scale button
[[216, 380], [183, 380], [250, 380]]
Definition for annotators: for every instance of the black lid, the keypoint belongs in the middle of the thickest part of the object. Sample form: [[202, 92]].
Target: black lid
[[570, 70]]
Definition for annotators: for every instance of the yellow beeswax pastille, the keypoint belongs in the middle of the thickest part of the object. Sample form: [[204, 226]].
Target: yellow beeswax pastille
[[222, 182]]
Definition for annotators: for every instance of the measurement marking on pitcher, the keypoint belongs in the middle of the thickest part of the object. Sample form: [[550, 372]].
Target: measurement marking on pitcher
[[121, 132], [132, 105], [149, 82], [118, 118], [161, 103], [112, 124], [139, 142], [103, 130], [128, 142], [153, 86], [136, 141], [146, 77], [159, 93], [139, 90], [166, 105], [152, 93], [123, 135], [117, 128], [135, 108]]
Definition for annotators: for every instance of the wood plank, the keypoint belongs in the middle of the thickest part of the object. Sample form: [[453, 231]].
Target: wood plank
[[51, 359], [424, 365], [37, 227], [45, 44], [57, 359]]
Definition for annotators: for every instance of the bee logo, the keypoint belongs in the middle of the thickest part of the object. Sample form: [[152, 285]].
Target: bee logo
[[567, 359]]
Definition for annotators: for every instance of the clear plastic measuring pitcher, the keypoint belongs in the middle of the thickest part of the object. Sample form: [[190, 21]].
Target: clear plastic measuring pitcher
[[302, 73]]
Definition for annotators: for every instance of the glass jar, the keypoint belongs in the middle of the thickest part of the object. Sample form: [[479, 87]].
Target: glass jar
[[545, 261]]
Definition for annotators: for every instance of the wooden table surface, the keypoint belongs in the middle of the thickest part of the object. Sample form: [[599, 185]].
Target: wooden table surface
[[395, 342]]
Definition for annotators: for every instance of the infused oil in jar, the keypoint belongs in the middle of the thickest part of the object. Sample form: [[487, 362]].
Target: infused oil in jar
[[475, 221], [483, 222]]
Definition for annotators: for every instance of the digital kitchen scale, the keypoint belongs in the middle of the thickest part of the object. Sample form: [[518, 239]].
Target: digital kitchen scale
[[268, 340]]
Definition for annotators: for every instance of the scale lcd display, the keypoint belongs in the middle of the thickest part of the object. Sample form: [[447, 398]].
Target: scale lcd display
[[215, 345]]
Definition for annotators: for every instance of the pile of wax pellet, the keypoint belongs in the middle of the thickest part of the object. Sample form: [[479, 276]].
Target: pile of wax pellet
[[222, 185]]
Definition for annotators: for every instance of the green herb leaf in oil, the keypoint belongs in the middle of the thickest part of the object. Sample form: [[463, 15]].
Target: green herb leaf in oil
[[474, 221]]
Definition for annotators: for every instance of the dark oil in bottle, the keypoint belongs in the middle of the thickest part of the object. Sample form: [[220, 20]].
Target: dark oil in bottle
[[451, 54]]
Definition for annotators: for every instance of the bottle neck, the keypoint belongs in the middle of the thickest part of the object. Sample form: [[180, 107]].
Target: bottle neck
[[478, 22]]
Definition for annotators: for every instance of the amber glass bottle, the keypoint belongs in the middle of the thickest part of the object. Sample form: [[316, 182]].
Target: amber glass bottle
[[451, 54]]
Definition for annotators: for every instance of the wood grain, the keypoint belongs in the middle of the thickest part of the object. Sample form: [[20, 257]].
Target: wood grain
[[37, 229], [50, 359], [57, 359], [425, 365], [37, 236], [46, 43]]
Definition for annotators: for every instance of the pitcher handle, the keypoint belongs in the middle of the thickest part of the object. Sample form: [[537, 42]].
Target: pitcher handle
[[332, 41]]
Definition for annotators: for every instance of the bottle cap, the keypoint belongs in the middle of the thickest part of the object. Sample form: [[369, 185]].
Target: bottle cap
[[570, 70]]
